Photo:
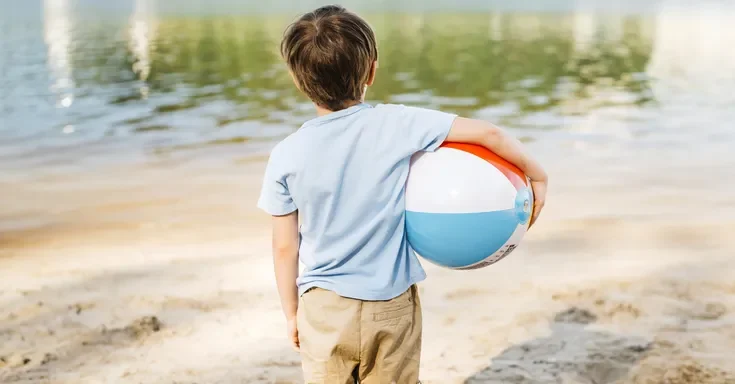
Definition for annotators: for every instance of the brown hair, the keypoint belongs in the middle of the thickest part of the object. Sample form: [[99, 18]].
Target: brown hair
[[330, 53]]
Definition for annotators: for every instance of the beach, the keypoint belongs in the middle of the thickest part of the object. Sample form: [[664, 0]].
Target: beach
[[156, 294], [132, 147]]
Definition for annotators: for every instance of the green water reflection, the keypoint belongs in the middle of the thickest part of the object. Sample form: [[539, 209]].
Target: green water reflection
[[461, 63]]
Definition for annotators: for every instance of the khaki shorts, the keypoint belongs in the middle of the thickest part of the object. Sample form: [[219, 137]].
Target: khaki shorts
[[344, 341]]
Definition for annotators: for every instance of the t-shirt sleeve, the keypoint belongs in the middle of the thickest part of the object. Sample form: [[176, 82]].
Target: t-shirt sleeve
[[275, 198], [425, 129]]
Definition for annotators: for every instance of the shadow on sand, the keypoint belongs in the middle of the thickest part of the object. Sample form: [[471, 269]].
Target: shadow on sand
[[571, 354]]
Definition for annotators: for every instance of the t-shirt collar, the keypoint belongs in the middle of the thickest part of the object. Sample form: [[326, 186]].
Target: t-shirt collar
[[336, 115]]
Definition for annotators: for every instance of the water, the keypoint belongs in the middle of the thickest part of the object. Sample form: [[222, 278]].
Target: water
[[80, 90], [635, 96]]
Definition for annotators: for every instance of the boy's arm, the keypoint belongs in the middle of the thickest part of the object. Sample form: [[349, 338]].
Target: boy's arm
[[483, 133], [276, 200], [286, 261]]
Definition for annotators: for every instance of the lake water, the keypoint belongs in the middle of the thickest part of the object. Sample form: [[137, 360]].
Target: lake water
[[635, 97], [84, 88], [614, 91], [101, 99]]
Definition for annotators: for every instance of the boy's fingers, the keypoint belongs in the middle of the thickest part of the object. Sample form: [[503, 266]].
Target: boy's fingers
[[295, 340], [536, 212]]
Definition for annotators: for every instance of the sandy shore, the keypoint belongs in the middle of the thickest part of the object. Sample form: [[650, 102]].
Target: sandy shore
[[169, 280]]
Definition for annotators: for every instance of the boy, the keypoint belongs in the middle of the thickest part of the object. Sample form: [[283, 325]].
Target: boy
[[354, 313]]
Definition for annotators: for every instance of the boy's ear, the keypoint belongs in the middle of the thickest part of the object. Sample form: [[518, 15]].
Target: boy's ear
[[373, 69]]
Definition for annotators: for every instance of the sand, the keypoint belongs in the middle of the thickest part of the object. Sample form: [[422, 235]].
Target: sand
[[166, 277]]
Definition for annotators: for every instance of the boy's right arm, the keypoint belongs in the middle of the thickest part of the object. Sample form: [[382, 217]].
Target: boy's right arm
[[488, 135]]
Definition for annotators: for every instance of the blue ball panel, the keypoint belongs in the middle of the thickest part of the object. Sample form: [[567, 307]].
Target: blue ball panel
[[457, 240]]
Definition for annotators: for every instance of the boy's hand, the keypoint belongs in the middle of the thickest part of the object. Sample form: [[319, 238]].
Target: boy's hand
[[539, 199], [493, 138], [293, 334]]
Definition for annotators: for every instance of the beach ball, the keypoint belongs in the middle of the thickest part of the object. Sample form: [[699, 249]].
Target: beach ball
[[466, 207]]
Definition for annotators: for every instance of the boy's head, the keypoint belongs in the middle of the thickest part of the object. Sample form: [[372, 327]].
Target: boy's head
[[332, 55]]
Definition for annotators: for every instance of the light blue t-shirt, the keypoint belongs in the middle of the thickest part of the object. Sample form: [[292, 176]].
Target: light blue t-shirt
[[345, 173]]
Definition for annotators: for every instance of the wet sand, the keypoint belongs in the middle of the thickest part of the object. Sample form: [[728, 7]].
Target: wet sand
[[166, 277]]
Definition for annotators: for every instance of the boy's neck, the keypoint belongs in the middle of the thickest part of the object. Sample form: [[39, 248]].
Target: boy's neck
[[321, 111]]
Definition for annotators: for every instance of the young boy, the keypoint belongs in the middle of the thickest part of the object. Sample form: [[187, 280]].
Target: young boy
[[354, 313]]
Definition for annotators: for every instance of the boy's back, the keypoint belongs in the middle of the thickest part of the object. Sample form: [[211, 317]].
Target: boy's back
[[346, 173], [335, 189]]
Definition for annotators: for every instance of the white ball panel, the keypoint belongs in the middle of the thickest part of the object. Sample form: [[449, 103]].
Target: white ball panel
[[454, 181]]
